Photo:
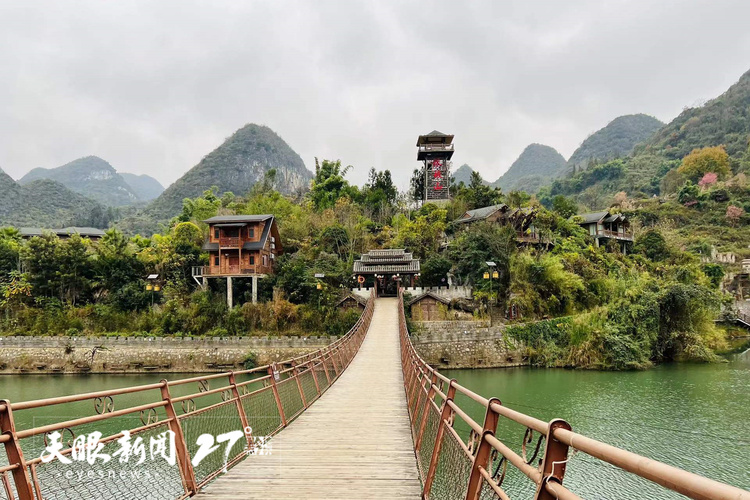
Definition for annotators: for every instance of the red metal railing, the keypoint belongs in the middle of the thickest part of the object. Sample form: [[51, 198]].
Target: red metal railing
[[452, 466], [259, 407]]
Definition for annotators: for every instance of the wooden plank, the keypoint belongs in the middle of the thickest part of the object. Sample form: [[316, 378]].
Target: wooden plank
[[353, 442]]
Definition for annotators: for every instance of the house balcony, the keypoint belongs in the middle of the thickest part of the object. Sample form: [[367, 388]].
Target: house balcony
[[230, 242], [618, 235], [524, 237], [208, 271]]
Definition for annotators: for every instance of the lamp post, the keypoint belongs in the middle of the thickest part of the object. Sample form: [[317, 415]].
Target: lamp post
[[490, 275], [319, 285], [152, 286]]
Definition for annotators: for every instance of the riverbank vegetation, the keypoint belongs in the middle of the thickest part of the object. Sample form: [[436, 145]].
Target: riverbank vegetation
[[580, 305]]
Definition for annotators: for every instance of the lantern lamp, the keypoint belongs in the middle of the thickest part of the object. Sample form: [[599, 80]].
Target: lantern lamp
[[495, 275], [157, 288], [486, 276], [149, 287]]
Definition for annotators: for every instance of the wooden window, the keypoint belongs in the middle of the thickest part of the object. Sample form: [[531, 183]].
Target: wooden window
[[252, 260], [251, 232], [216, 260], [265, 260], [216, 233]]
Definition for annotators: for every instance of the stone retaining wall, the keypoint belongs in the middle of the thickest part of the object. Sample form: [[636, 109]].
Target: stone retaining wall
[[465, 344], [144, 354]]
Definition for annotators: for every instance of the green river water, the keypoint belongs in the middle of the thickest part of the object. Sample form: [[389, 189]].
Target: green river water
[[691, 416]]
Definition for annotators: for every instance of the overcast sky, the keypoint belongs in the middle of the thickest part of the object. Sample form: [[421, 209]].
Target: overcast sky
[[152, 87]]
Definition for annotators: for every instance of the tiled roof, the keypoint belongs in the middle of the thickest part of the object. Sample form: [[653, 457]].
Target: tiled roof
[[480, 213], [86, 232], [411, 267], [390, 260], [359, 299], [238, 218], [428, 294], [592, 217]]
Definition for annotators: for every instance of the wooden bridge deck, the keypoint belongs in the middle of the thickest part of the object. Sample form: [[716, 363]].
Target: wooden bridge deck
[[354, 442]]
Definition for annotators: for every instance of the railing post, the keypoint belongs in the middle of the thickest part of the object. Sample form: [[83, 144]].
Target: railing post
[[427, 408], [325, 369], [183, 456], [271, 372], [555, 460], [416, 390], [336, 369], [241, 411], [14, 453], [299, 384], [482, 456], [445, 415], [315, 377]]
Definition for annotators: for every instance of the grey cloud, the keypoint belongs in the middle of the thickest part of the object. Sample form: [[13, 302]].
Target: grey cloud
[[154, 86]]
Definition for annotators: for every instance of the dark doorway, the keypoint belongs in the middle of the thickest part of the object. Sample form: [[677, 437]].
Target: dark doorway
[[387, 287]]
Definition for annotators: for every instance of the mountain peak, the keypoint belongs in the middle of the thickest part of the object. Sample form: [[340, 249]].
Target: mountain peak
[[535, 167], [463, 174], [236, 165], [616, 139]]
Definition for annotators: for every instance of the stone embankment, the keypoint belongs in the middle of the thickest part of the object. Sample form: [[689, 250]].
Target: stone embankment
[[146, 354], [465, 344]]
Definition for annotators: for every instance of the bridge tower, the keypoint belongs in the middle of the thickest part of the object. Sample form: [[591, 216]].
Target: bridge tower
[[435, 150]]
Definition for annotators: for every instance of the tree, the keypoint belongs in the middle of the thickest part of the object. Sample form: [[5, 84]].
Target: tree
[[478, 194], [380, 193], [517, 199], [423, 234], [417, 184], [564, 207], [702, 161], [708, 180], [201, 208], [329, 184], [9, 248], [14, 292], [434, 271], [653, 245], [480, 243], [116, 265], [689, 193], [734, 214]]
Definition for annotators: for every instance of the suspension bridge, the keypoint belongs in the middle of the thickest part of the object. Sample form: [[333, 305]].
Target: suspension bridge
[[362, 418]]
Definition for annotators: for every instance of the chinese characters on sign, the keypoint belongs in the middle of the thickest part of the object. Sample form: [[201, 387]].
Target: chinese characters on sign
[[437, 179], [88, 447]]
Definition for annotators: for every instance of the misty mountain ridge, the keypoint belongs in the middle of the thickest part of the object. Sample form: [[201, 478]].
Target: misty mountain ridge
[[90, 176], [42, 203], [144, 186]]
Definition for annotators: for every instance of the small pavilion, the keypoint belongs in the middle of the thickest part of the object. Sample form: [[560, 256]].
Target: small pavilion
[[388, 268]]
